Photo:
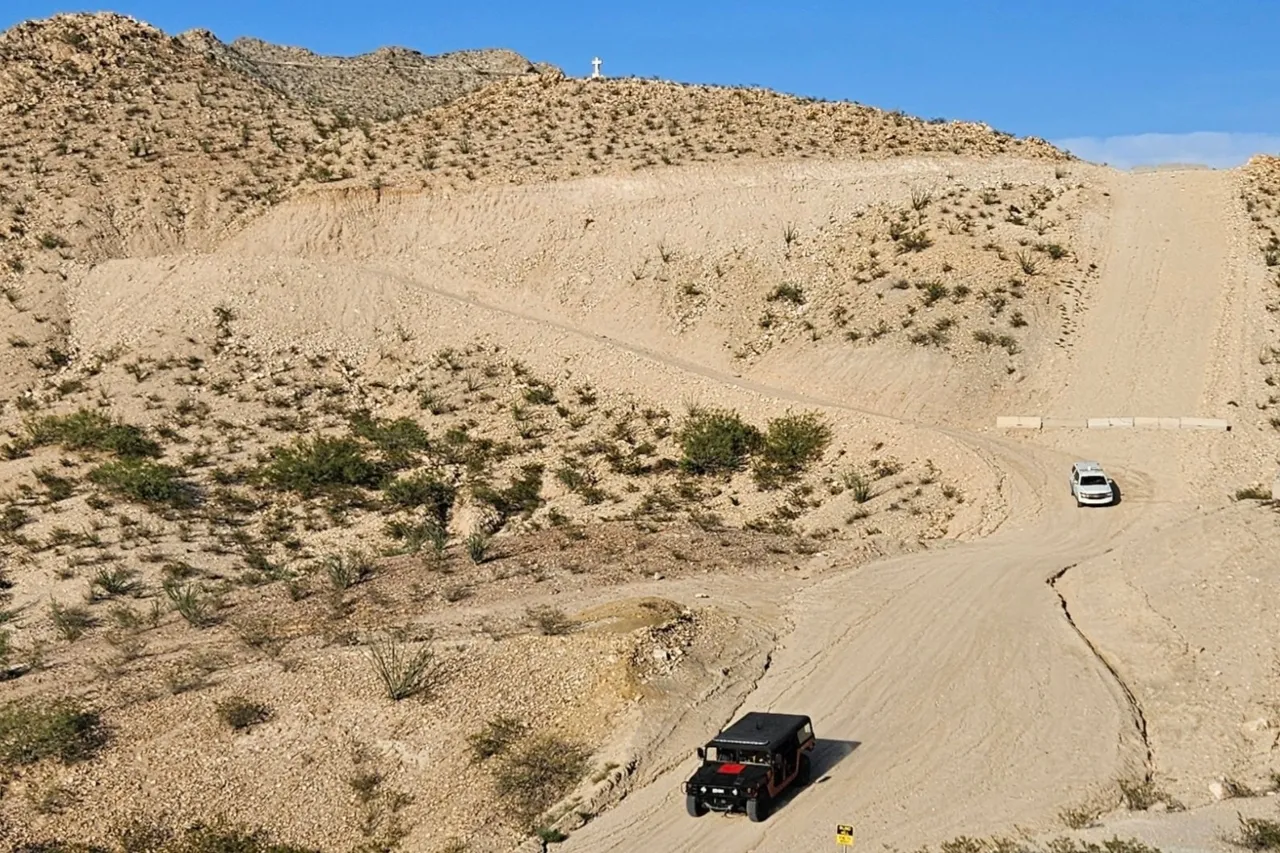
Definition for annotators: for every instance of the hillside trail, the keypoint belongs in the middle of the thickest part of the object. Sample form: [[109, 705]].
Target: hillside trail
[[950, 690]]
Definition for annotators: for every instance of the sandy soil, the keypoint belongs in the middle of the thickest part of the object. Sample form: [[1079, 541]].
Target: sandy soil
[[980, 656]]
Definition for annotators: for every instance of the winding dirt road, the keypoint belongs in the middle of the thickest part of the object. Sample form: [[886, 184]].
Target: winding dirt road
[[951, 691]]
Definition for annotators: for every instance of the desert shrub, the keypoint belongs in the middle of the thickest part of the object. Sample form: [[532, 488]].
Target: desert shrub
[[1257, 833], [202, 838], [1115, 844], [241, 713], [109, 583], [415, 534], [933, 291], [983, 336], [1078, 817], [404, 673], [346, 570], [581, 480], [1141, 795], [716, 441], [34, 731], [540, 394], [792, 293], [858, 485], [496, 738], [399, 440], [478, 546], [321, 463], [537, 774], [144, 481], [12, 518], [791, 443], [71, 622], [914, 241], [192, 603], [1253, 493], [521, 497], [423, 490], [551, 621], [90, 430]]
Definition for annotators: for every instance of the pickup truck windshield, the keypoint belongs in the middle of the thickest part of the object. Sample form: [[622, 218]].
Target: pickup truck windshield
[[1093, 480]]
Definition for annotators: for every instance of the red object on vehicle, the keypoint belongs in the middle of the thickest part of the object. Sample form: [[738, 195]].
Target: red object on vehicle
[[732, 769]]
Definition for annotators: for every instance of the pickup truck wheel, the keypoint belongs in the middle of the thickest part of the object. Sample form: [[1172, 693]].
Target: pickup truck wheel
[[694, 806], [758, 808], [806, 771]]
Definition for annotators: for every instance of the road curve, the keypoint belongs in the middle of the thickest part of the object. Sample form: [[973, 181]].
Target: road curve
[[952, 691]]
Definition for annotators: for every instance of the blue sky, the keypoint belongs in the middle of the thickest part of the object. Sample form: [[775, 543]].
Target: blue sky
[[1126, 81]]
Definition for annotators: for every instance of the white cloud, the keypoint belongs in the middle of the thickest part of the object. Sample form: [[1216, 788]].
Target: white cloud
[[1208, 148]]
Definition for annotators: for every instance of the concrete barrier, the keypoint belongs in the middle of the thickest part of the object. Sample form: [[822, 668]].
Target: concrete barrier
[[1030, 422], [1203, 423]]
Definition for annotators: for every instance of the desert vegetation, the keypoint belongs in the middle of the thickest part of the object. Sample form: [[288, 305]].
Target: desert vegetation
[[1261, 199], [422, 580]]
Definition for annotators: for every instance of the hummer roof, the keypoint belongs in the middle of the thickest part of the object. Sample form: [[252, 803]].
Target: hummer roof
[[760, 730]]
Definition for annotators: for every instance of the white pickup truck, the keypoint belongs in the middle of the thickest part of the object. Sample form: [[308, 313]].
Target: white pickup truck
[[1090, 485]]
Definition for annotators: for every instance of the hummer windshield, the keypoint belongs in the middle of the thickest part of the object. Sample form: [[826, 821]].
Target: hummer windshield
[[741, 756]]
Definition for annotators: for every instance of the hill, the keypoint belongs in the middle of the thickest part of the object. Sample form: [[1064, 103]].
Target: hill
[[428, 452]]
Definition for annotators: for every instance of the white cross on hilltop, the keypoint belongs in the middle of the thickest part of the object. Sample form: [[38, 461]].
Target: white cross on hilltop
[[595, 68]]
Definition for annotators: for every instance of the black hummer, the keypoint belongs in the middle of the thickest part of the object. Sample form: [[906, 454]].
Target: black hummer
[[746, 766]]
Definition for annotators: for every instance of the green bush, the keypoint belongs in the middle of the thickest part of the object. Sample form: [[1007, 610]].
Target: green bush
[[790, 445], [322, 463], [415, 534], [399, 441], [89, 430], [792, 293], [346, 570], [1258, 833], [34, 731], [537, 774], [477, 543], [716, 441], [424, 490], [144, 481], [405, 673], [521, 497]]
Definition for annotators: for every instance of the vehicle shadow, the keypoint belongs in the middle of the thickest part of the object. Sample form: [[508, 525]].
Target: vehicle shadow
[[827, 753], [1115, 494]]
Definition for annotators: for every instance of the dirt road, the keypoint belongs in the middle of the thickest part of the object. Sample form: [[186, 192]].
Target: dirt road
[[952, 691]]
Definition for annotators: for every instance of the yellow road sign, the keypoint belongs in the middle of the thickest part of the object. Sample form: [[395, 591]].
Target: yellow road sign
[[844, 834]]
